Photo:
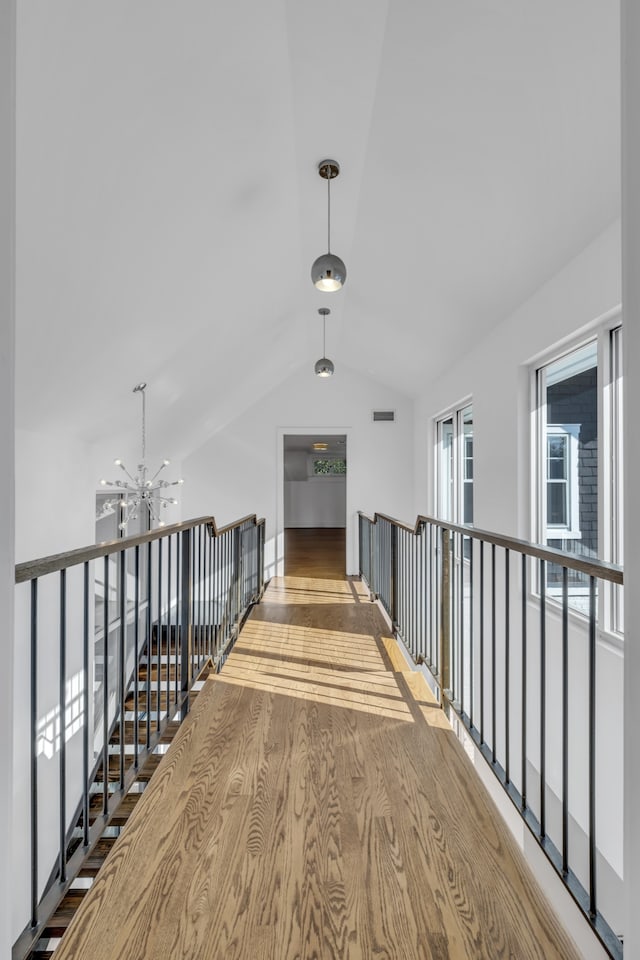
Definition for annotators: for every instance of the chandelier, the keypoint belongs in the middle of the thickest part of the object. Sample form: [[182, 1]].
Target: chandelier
[[141, 493]]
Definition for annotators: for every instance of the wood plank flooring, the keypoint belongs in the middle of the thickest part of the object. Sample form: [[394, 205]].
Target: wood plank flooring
[[315, 552], [315, 804]]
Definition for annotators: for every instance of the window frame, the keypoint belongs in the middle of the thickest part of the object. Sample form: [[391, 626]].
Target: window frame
[[458, 479], [607, 333]]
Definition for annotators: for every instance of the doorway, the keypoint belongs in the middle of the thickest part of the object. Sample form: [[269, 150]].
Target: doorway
[[315, 505]]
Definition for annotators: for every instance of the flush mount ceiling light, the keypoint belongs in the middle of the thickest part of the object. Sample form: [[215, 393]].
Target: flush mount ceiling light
[[324, 367], [139, 493], [321, 446], [328, 272]]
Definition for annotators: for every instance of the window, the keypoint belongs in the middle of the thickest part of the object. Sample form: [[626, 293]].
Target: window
[[579, 430], [562, 481], [454, 465]]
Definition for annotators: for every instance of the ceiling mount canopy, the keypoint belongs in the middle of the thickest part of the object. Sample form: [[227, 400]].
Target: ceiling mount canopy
[[324, 367], [328, 272]]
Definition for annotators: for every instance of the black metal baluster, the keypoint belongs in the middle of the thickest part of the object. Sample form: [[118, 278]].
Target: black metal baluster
[[523, 691], [185, 619], [461, 630], [402, 584], [212, 597], [453, 615], [194, 582], [543, 697], [105, 694], [208, 591], [414, 597], [34, 752], [122, 658], [565, 721], [177, 645], [62, 771], [507, 666], [592, 747], [85, 705], [437, 610], [472, 544], [393, 573], [225, 588], [481, 642], [216, 591], [159, 641], [493, 654], [149, 647], [431, 599], [136, 658], [169, 643], [201, 637]]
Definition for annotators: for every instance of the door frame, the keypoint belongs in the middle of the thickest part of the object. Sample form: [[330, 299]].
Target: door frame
[[350, 518]]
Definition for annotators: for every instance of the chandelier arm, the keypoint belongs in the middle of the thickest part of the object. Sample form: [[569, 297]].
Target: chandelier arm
[[161, 467], [122, 482]]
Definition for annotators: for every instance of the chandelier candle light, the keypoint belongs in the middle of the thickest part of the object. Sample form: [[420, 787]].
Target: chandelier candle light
[[139, 492]]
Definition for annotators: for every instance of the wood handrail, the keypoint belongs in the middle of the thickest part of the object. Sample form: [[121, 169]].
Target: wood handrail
[[593, 568], [31, 569]]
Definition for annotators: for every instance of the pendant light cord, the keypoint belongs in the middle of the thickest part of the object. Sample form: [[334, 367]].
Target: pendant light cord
[[329, 211], [324, 336], [144, 426], [140, 389]]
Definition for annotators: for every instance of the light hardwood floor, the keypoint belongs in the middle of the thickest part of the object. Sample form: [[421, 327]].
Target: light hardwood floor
[[315, 552], [315, 804]]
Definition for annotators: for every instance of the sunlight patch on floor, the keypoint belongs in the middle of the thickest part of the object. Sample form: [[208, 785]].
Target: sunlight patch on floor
[[304, 688]]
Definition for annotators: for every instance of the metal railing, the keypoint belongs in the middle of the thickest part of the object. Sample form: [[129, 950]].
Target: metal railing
[[118, 633], [490, 617]]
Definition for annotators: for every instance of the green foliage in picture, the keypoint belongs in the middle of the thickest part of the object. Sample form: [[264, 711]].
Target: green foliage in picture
[[329, 468]]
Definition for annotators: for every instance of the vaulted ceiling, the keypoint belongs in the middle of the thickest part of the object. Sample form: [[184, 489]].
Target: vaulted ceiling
[[169, 206]]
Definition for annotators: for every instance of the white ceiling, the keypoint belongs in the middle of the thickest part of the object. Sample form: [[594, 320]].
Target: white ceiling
[[169, 207]]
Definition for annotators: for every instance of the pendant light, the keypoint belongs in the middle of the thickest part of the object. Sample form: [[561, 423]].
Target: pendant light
[[324, 367], [328, 272]]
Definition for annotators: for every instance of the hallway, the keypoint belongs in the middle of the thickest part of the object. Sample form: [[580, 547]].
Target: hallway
[[314, 804]]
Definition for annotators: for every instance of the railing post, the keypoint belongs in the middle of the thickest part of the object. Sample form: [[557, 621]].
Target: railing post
[[186, 588], [445, 617], [237, 589], [394, 576], [372, 588], [261, 539]]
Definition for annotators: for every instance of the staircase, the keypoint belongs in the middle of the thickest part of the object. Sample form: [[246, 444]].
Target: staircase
[[148, 726]]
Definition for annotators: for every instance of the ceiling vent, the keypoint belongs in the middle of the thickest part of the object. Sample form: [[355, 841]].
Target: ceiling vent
[[384, 415]]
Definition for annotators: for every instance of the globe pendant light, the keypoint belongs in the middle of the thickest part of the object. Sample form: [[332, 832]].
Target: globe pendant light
[[328, 272], [324, 367]]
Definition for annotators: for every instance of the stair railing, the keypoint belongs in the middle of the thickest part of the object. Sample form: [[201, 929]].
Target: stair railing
[[509, 632], [134, 622]]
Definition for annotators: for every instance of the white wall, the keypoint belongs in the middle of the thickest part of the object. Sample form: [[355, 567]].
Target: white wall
[[238, 470], [315, 502], [55, 499], [631, 299], [494, 374], [7, 280]]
